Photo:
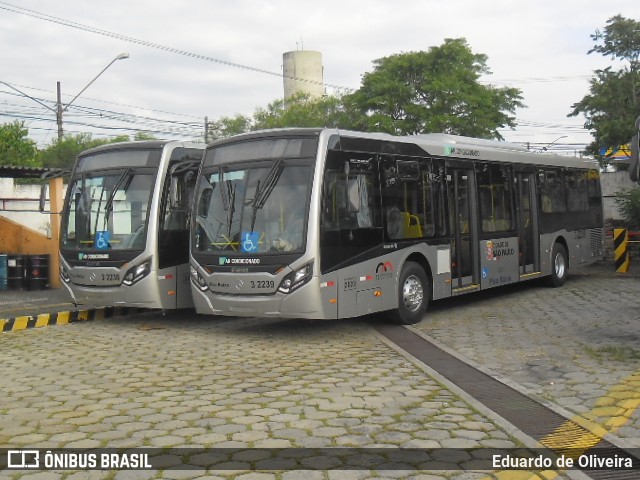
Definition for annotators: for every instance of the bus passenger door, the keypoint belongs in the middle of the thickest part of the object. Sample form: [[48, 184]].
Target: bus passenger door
[[463, 221], [527, 224]]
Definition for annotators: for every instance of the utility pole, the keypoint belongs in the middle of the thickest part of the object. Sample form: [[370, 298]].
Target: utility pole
[[59, 112], [60, 109]]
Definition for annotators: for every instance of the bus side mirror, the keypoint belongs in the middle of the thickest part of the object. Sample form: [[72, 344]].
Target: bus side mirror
[[43, 197]]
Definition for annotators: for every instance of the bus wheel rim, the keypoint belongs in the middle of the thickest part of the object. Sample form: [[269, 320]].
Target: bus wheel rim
[[412, 293], [559, 265]]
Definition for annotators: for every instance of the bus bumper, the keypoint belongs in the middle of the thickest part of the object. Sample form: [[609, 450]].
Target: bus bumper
[[278, 305], [143, 294]]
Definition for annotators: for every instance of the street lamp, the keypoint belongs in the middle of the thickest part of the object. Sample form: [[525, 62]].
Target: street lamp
[[60, 109], [544, 149]]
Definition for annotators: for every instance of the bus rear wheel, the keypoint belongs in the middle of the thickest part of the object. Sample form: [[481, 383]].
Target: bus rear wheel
[[559, 266], [413, 294]]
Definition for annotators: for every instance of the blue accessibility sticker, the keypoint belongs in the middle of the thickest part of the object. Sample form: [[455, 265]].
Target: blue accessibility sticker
[[249, 243], [101, 242]]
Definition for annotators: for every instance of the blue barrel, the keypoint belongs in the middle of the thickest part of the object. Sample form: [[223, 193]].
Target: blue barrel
[[3, 271]]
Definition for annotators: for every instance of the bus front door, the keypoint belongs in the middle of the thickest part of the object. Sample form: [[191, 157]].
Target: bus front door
[[464, 257]]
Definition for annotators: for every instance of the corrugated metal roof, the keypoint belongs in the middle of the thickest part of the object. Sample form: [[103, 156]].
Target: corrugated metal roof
[[15, 171]]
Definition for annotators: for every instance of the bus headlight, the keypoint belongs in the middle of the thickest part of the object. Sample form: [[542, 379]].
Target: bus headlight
[[137, 273], [296, 279], [197, 279]]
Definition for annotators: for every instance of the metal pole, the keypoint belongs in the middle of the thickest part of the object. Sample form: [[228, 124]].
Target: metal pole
[[59, 113], [60, 109]]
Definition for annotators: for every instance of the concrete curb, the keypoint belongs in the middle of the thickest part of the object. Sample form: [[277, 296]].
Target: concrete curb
[[24, 322]]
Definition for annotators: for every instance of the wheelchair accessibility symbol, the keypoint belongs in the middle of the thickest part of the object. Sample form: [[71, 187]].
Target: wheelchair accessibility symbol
[[250, 242], [101, 241]]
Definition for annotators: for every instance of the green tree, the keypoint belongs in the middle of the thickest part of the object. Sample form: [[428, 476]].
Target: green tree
[[613, 102], [302, 111], [137, 137], [628, 202], [15, 146], [228, 126], [63, 153], [298, 111], [434, 91]]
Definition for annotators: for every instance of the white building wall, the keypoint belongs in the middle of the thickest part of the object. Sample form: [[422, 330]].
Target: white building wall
[[20, 204], [612, 183]]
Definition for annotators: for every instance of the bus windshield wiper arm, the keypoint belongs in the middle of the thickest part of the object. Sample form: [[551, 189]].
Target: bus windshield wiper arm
[[109, 205], [268, 184], [263, 192]]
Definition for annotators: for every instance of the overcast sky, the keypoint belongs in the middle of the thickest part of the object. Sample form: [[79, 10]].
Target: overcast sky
[[538, 46]]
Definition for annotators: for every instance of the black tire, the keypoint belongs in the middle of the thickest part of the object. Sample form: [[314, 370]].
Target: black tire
[[413, 295], [559, 266]]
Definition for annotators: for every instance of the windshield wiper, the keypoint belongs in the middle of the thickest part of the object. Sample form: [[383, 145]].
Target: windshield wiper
[[268, 183], [109, 205], [263, 192]]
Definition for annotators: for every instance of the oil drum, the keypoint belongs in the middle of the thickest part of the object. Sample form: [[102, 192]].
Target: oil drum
[[38, 272]]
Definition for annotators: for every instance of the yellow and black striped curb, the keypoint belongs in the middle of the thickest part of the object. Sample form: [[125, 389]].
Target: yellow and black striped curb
[[64, 318]]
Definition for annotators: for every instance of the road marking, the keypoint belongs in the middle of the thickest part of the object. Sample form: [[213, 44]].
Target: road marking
[[611, 411]]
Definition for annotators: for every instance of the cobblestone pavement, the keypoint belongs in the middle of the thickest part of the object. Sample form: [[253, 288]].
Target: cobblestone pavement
[[577, 346], [185, 380], [192, 381]]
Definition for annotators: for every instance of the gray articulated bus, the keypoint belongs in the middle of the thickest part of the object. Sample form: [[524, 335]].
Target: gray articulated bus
[[326, 224], [124, 236]]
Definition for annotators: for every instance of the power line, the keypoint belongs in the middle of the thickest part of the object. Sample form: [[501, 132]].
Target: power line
[[53, 102], [133, 119], [145, 123], [68, 23]]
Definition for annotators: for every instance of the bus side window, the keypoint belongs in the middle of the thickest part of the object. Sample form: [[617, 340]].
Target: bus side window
[[348, 201], [412, 199], [593, 188], [552, 191], [576, 185], [496, 198]]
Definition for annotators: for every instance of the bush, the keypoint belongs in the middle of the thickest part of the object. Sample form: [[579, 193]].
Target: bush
[[628, 202]]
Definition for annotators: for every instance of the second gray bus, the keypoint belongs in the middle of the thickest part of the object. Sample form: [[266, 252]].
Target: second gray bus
[[125, 225]]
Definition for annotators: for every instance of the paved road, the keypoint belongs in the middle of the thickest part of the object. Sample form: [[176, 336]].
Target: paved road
[[192, 381], [577, 346]]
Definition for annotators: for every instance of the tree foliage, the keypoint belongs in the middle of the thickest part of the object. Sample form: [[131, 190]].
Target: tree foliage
[[613, 102], [300, 111], [16, 148], [228, 126], [63, 153], [628, 203], [408, 93], [435, 91]]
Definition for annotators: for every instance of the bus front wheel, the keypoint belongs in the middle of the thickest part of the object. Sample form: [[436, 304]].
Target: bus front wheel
[[413, 294], [559, 265]]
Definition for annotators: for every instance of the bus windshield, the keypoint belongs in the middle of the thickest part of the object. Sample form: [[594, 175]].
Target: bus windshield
[[250, 205], [107, 208]]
